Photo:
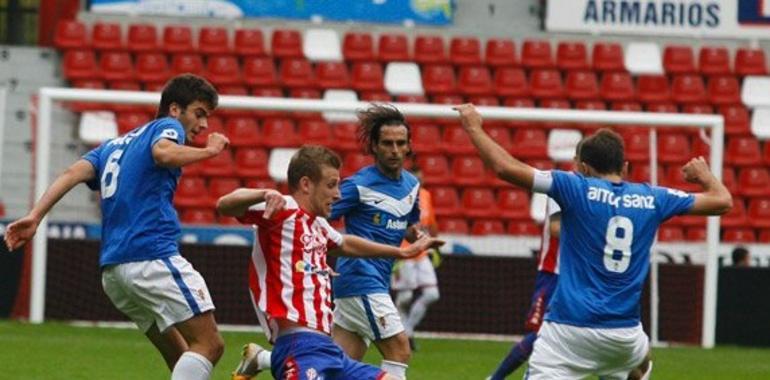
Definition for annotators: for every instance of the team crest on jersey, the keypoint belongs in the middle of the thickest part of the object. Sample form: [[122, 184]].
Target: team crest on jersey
[[383, 322], [377, 219], [311, 374]]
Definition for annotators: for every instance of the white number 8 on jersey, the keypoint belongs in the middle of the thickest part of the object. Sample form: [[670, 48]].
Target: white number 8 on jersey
[[615, 244]]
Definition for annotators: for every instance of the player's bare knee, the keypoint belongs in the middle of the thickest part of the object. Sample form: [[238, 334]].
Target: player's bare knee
[[400, 352]]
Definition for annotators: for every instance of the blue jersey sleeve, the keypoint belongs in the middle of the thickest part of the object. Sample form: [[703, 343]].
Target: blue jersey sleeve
[[566, 188], [672, 202], [348, 200], [94, 157], [169, 129]]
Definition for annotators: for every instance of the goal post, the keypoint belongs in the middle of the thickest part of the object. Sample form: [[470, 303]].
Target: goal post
[[712, 123]]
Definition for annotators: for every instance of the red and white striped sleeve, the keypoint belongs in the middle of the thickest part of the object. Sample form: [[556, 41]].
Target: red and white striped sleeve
[[333, 236], [254, 215]]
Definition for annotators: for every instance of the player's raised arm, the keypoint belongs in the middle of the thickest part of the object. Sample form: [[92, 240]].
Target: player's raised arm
[[21, 231], [237, 202], [502, 163], [168, 154], [355, 246], [715, 199]]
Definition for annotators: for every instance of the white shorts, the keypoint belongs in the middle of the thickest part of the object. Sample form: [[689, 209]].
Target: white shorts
[[163, 292], [414, 274], [569, 352], [372, 316]]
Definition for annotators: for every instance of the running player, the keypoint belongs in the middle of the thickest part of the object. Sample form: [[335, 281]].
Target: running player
[[289, 279], [142, 272], [592, 326]]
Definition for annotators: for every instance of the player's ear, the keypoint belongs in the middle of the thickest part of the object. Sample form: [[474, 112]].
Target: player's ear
[[305, 184], [174, 110], [625, 171]]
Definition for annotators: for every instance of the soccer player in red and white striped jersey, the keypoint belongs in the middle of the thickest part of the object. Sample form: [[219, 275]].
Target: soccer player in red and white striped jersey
[[289, 279]]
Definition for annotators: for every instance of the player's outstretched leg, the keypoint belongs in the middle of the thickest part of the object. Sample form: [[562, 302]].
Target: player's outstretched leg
[[428, 295], [254, 359], [515, 358], [205, 348]]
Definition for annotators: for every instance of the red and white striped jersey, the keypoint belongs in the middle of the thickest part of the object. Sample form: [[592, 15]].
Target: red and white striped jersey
[[548, 259], [288, 276]]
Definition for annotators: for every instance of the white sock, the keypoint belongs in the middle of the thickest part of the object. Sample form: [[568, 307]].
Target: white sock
[[263, 359], [419, 308], [394, 368], [649, 371], [192, 366]]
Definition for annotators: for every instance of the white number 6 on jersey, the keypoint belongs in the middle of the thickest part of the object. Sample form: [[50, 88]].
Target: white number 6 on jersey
[[110, 175], [615, 244]]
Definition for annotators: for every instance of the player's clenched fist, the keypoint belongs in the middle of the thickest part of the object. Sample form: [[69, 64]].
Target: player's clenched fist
[[697, 171], [217, 142], [469, 116], [20, 232]]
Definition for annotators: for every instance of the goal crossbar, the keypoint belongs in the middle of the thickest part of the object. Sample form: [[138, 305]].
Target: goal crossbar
[[714, 123]]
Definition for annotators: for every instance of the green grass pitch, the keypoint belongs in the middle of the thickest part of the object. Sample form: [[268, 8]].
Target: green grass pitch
[[60, 351]]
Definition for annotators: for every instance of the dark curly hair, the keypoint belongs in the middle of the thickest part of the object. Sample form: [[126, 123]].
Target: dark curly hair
[[184, 89], [371, 121]]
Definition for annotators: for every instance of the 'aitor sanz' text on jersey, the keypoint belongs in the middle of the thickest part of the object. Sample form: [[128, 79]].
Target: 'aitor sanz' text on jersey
[[139, 221], [606, 233], [380, 209]]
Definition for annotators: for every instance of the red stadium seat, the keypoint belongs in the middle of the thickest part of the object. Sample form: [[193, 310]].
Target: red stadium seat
[[345, 137], [129, 120], [608, 57], [354, 161], [546, 84], [626, 106], [695, 234], [332, 75], [393, 47], [617, 86], [475, 80], [759, 212], [315, 132], [729, 178], [596, 105], [653, 88], [739, 235], [426, 138], [358, 47], [116, 66], [479, 203], [724, 90], [221, 165], [523, 228], [688, 89], [249, 43], [456, 226], [213, 40], [214, 124], [702, 109], [637, 144], [80, 64], [487, 227], [375, 96], [536, 54], [186, 63], [674, 178], [142, 38], [662, 107], [465, 51], [286, 43], [670, 233], [456, 141], [429, 49], [177, 39], [501, 135], [297, 73], [513, 203], [674, 147], [435, 169], [367, 76], [736, 119], [750, 62], [737, 216], [678, 60], [439, 79], [243, 132], [511, 82], [280, 132], [223, 70], [221, 186], [191, 192], [446, 201], [70, 34], [107, 36], [500, 52], [572, 56], [251, 163], [742, 151], [714, 60], [640, 172], [468, 171], [198, 216], [582, 85], [152, 68], [530, 143], [260, 183], [753, 181], [259, 72]]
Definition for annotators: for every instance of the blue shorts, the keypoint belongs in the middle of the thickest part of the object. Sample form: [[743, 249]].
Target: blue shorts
[[311, 356], [545, 284]]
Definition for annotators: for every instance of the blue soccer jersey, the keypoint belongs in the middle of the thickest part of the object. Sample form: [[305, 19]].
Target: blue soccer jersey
[[380, 209], [606, 234], [138, 218]]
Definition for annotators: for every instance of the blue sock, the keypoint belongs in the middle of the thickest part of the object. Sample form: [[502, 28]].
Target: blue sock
[[518, 355]]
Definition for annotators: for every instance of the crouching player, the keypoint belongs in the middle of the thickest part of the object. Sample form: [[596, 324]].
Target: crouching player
[[289, 279]]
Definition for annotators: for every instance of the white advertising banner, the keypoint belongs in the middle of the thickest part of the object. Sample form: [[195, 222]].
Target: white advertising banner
[[707, 18]]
